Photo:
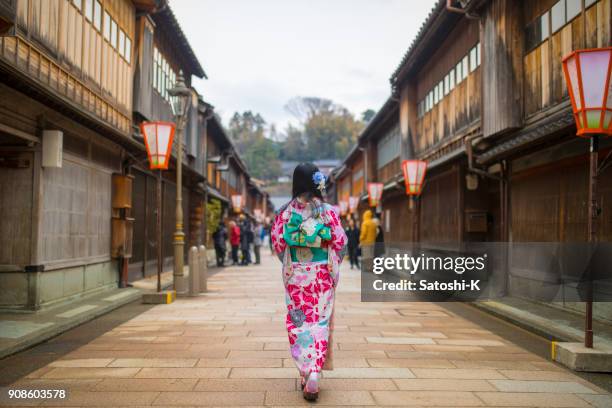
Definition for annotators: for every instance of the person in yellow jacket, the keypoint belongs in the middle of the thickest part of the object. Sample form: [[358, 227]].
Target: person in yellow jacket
[[367, 239]]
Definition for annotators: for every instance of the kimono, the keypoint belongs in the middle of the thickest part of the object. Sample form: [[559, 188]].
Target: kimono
[[310, 241]]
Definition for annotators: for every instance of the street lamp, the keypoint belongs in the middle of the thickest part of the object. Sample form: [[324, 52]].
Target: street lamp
[[181, 96], [587, 73], [158, 138], [414, 175]]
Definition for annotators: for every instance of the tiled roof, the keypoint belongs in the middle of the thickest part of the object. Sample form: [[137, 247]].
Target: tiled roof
[[165, 16], [438, 8]]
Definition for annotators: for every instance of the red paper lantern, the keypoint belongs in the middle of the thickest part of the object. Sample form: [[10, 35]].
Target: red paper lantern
[[237, 202], [414, 175], [343, 207], [158, 138], [375, 191], [353, 203], [587, 74]]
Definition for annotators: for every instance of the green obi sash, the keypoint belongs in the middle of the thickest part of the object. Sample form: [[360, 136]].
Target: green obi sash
[[309, 233], [301, 254]]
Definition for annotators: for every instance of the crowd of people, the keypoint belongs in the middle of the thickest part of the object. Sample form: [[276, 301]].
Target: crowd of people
[[244, 236], [365, 239]]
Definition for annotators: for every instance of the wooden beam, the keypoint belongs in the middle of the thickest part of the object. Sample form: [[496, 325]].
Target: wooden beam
[[16, 132]]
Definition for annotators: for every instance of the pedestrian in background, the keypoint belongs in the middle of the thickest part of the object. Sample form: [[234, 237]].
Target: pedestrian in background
[[234, 241], [379, 245], [259, 234], [246, 239], [220, 242], [308, 237], [367, 239], [352, 234]]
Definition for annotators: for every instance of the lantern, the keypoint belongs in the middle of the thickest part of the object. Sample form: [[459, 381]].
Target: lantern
[[237, 202], [353, 203], [587, 74], [180, 97], [343, 207], [414, 175], [158, 138], [375, 191]]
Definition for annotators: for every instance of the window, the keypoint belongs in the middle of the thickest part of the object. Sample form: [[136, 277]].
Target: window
[[459, 72], [447, 84], [536, 32], [97, 15], [128, 50], [572, 9], [122, 43], [464, 67], [164, 76], [89, 10], [107, 24], [474, 58], [77, 4], [440, 89], [113, 33], [589, 3], [388, 147], [558, 15]]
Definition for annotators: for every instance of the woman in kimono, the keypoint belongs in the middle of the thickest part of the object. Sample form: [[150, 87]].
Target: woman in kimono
[[310, 241]]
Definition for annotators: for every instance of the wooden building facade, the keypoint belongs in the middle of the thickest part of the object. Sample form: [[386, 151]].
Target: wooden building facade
[[481, 97], [77, 77], [66, 67]]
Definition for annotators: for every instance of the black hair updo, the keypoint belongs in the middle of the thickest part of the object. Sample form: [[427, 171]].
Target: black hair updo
[[303, 182]]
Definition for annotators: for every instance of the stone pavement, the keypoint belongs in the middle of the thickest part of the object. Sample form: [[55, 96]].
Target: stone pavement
[[229, 348]]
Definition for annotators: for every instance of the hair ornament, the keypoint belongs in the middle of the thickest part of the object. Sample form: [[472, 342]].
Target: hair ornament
[[319, 180]]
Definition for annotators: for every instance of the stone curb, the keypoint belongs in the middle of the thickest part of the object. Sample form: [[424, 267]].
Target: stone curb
[[58, 328]]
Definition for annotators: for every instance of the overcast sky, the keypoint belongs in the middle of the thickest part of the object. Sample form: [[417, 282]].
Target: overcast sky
[[258, 54]]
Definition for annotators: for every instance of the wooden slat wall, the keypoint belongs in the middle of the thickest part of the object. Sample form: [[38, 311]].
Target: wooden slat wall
[[16, 209], [462, 105], [59, 47], [358, 187], [548, 203], [386, 173], [544, 82], [400, 219], [502, 47], [440, 206], [76, 213], [344, 187]]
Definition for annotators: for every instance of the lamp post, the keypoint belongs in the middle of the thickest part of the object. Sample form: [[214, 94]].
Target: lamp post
[[587, 73], [158, 138], [180, 107], [414, 176]]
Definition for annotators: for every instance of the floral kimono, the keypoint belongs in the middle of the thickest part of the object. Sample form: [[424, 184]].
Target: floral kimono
[[310, 241]]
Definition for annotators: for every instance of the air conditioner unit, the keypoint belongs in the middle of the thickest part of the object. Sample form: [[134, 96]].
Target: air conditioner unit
[[52, 146]]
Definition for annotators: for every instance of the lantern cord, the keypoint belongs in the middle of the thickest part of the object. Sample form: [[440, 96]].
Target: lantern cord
[[605, 163]]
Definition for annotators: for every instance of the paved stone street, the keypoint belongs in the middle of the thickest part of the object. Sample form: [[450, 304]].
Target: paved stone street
[[229, 348]]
